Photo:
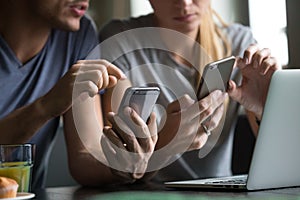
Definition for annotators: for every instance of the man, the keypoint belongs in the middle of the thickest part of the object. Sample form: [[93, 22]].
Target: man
[[42, 47]]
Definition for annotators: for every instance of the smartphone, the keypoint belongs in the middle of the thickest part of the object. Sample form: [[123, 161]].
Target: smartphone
[[215, 76], [141, 99]]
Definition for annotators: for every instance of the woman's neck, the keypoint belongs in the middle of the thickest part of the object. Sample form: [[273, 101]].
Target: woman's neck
[[184, 48], [181, 46]]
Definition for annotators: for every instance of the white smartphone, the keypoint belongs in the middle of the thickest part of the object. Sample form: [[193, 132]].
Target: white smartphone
[[141, 99], [215, 76]]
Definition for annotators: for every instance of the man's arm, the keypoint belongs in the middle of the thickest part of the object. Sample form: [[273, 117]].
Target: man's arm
[[20, 125], [83, 126]]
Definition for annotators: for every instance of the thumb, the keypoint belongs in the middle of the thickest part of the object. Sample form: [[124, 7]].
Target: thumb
[[234, 91], [180, 104]]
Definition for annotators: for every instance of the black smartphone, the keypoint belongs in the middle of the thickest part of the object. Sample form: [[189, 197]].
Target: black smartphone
[[141, 99], [215, 76]]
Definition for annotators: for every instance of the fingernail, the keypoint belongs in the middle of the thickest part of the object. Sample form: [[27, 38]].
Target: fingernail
[[127, 111], [230, 85], [189, 98], [111, 114], [246, 61], [84, 96], [123, 76], [225, 95], [219, 92]]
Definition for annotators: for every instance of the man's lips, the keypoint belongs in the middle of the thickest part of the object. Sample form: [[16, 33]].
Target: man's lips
[[79, 8]]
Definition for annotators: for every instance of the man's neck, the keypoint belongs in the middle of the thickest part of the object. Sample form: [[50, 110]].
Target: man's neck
[[25, 36]]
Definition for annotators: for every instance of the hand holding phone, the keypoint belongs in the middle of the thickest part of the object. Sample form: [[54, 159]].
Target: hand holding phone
[[216, 76], [141, 99]]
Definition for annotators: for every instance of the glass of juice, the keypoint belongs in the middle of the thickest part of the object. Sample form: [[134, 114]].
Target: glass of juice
[[16, 162]]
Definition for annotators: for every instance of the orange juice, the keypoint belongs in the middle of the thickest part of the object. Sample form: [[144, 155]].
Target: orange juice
[[19, 171]]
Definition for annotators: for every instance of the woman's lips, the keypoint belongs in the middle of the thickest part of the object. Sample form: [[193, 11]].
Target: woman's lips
[[185, 18]]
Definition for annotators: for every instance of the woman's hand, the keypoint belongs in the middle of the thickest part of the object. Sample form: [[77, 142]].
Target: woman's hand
[[188, 122], [86, 77], [128, 147], [257, 67]]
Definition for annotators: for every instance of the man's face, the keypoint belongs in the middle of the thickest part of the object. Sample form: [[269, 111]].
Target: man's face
[[61, 14]]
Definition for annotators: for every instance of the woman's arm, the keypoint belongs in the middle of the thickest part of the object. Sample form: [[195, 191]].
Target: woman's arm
[[257, 67]]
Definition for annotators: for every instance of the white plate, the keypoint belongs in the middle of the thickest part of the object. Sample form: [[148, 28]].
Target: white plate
[[21, 195]]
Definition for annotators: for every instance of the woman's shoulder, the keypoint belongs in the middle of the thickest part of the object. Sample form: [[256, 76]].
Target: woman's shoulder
[[240, 37], [237, 29], [116, 26]]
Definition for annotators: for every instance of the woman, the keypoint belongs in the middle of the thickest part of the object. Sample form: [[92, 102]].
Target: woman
[[171, 61]]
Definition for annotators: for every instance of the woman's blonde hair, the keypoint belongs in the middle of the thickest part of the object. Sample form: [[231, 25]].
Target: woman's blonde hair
[[212, 39]]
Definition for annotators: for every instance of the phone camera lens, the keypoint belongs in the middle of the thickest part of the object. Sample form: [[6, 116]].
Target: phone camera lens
[[212, 67]]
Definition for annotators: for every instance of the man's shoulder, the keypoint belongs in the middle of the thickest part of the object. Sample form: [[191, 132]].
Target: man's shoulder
[[87, 21], [116, 26]]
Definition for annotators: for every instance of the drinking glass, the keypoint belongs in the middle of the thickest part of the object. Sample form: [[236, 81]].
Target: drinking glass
[[16, 162]]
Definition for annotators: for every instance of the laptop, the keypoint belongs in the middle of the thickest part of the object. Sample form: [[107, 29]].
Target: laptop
[[275, 161]]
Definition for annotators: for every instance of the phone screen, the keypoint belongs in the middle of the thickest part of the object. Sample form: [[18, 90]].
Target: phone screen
[[141, 99]]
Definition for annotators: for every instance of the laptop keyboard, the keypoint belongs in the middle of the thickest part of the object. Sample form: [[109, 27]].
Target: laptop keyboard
[[241, 180]]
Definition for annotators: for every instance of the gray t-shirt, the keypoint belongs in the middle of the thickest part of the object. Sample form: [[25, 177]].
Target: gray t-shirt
[[147, 63], [21, 84]]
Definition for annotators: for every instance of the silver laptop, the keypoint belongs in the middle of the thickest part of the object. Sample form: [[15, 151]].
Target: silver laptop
[[276, 158]]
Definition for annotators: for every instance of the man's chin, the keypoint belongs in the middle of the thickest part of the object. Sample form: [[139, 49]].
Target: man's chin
[[73, 25], [74, 29]]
